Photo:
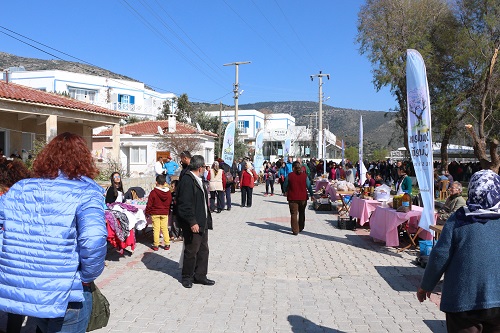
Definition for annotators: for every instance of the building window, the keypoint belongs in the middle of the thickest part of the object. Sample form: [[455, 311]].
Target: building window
[[126, 99], [85, 95], [208, 155], [257, 124], [243, 125], [138, 155]]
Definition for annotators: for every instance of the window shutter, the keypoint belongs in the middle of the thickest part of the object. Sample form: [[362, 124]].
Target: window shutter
[[132, 99], [247, 124], [119, 98]]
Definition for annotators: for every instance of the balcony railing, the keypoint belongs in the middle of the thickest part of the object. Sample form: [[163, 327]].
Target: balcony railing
[[126, 107]]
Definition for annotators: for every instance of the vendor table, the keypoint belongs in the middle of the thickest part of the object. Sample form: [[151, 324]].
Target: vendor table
[[362, 209], [384, 224], [437, 230]]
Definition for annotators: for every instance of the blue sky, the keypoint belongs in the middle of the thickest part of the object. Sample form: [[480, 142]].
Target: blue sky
[[181, 46]]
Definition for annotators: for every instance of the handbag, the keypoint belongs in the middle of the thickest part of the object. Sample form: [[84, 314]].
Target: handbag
[[229, 177], [100, 309]]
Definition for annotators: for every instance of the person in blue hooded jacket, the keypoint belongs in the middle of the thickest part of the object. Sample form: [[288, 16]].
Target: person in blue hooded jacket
[[53, 238], [467, 254]]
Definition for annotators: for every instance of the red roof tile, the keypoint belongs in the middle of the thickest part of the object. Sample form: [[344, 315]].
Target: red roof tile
[[150, 127], [22, 93]]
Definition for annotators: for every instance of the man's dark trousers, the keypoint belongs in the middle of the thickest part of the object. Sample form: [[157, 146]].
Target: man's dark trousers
[[195, 263]]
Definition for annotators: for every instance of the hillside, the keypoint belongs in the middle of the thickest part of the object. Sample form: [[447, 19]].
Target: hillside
[[380, 129], [33, 64]]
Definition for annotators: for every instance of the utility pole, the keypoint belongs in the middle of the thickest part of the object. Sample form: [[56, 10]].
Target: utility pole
[[235, 88], [320, 130], [220, 130]]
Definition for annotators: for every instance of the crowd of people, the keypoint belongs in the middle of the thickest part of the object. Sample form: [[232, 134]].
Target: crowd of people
[[181, 206]]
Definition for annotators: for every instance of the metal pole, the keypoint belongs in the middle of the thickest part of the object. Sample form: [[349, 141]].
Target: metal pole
[[220, 130], [320, 129], [236, 87]]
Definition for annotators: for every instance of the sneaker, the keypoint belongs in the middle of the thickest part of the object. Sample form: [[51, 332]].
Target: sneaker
[[155, 248], [272, 194], [167, 247], [265, 194]]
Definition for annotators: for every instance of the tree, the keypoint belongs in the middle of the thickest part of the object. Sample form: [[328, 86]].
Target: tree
[[386, 29], [133, 119], [240, 148], [380, 154], [352, 154], [480, 22], [176, 143], [185, 110], [165, 111]]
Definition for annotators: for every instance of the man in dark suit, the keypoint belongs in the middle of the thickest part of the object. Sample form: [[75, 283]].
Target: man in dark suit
[[195, 219]]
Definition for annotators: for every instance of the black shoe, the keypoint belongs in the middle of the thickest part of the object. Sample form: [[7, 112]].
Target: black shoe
[[229, 208], [218, 211], [205, 282], [295, 233], [187, 283]]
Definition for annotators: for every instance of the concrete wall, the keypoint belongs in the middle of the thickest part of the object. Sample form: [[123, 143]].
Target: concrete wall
[[147, 183]]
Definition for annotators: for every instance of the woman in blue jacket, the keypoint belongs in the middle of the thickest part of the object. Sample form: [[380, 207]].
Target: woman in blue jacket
[[53, 238], [467, 254]]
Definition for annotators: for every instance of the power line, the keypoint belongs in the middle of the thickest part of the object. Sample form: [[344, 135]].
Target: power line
[[166, 41], [296, 35], [78, 64], [251, 28], [180, 28], [277, 32], [177, 36]]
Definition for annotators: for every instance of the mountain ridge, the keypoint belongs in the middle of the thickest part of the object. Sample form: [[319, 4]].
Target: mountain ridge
[[344, 123]]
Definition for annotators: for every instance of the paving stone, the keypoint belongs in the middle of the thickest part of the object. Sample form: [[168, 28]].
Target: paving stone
[[267, 280]]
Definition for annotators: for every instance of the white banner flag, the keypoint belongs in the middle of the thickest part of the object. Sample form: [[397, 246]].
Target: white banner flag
[[259, 153], [362, 168], [228, 144], [419, 133]]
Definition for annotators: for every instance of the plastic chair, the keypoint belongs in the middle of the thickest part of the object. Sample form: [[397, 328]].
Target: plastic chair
[[443, 192]]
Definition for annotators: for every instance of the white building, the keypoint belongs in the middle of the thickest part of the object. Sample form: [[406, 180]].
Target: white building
[[277, 127], [130, 97]]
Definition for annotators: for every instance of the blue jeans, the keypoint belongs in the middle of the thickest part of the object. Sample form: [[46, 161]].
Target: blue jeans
[[75, 320], [228, 196]]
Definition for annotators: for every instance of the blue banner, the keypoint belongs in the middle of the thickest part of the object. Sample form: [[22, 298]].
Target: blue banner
[[259, 153], [420, 134], [228, 144]]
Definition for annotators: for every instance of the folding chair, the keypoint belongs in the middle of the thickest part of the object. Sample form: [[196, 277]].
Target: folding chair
[[345, 199], [412, 236], [443, 193]]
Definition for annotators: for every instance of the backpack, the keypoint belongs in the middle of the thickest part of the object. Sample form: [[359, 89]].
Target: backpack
[[229, 177]]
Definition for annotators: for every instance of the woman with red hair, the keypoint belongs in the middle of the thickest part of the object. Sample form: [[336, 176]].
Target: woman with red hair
[[53, 238]]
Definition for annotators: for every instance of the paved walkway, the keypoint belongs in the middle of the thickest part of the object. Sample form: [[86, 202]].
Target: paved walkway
[[267, 280]]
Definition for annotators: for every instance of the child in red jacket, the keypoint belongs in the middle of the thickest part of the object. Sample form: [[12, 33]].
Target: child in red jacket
[[158, 207]]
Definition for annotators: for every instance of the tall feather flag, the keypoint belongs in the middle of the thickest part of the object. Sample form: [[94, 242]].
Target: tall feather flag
[[343, 153], [287, 146], [228, 144], [259, 153], [419, 133], [362, 168]]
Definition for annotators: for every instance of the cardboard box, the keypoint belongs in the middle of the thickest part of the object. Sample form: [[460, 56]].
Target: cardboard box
[[318, 205]]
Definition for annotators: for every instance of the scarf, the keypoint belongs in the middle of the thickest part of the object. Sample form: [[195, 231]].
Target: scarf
[[483, 202]]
